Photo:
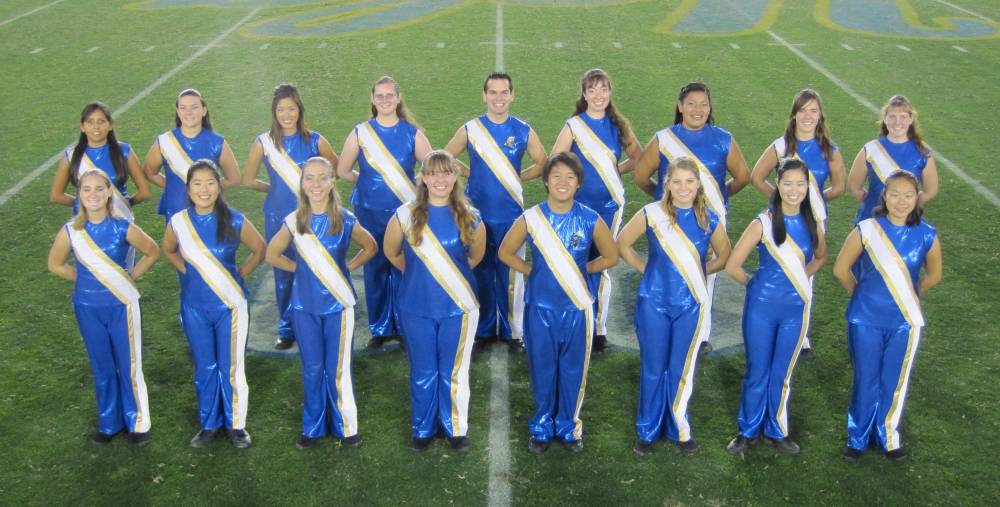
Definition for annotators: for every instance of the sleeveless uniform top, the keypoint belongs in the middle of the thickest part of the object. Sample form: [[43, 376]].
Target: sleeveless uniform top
[[907, 156], [195, 290], [871, 303], [111, 236], [594, 193], [662, 283], [575, 230], [207, 144], [710, 144], [420, 293], [770, 283], [282, 200], [309, 294], [101, 157], [485, 191], [371, 191]]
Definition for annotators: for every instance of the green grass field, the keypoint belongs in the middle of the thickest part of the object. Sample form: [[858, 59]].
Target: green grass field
[[440, 51]]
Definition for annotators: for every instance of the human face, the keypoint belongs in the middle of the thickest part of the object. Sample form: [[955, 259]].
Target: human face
[[793, 188], [806, 120], [385, 99], [96, 127], [439, 181], [598, 96], [562, 183], [897, 121], [900, 200], [683, 186], [287, 114], [94, 193], [190, 111], [317, 181], [498, 97], [694, 108], [203, 189]]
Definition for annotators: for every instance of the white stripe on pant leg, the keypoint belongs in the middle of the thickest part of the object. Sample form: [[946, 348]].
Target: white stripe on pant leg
[[895, 412], [786, 388], [139, 394], [345, 385], [605, 285], [460, 375], [515, 303], [237, 367], [710, 283], [806, 344], [686, 386], [588, 316]]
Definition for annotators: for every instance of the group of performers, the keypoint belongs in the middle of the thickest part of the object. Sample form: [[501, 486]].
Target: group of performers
[[446, 265]]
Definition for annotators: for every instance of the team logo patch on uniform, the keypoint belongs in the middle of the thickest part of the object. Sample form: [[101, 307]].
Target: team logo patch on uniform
[[511, 141], [576, 240]]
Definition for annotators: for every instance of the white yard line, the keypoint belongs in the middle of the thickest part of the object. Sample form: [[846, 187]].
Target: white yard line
[[32, 11], [954, 168], [12, 191], [499, 53], [967, 11]]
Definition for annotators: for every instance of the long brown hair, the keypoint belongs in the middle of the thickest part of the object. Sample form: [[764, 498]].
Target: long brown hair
[[114, 149], [303, 214], [590, 78], [287, 91], [461, 208], [206, 121], [801, 99], [82, 216], [401, 110], [700, 209], [917, 213], [913, 132], [696, 86]]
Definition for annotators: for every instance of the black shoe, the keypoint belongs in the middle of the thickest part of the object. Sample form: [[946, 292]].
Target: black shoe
[[704, 348], [283, 343], [239, 438], [853, 455], [305, 442], [516, 345], [459, 444], [376, 342], [897, 455], [482, 343], [419, 444], [689, 446], [642, 447], [739, 445], [351, 442], [573, 446], [600, 343], [785, 445], [203, 438], [140, 439], [537, 446], [101, 438], [807, 353]]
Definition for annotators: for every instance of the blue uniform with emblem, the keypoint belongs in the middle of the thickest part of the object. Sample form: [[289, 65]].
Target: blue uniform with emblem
[[881, 342], [710, 144], [908, 156], [374, 204], [101, 157], [667, 317], [439, 333], [207, 144], [499, 303]]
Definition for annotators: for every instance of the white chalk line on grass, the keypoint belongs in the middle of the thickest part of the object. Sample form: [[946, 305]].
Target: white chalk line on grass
[[954, 168], [967, 11], [12, 191], [32, 11]]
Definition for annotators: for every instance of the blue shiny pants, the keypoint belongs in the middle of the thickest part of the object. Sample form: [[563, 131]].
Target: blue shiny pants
[[882, 360], [500, 290], [557, 345], [439, 351], [282, 278], [668, 353], [325, 344], [772, 338], [218, 339], [381, 278], [113, 339], [600, 283]]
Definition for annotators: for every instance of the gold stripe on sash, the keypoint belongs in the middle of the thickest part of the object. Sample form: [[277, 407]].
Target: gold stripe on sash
[[880, 160], [207, 254], [541, 230], [81, 239], [488, 150], [608, 170], [817, 202], [372, 154], [176, 157], [286, 168], [666, 139], [871, 233], [796, 274], [656, 222], [444, 270], [316, 256]]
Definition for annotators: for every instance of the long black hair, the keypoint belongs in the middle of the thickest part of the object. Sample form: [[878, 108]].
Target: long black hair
[[224, 230], [114, 149], [918, 211], [696, 86], [805, 208]]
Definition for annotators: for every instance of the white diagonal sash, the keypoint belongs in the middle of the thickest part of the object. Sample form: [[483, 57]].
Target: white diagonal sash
[[816, 200], [789, 256], [110, 274], [558, 259], [320, 262], [385, 164], [117, 199], [498, 163], [282, 164], [212, 271], [879, 159], [176, 157], [894, 272], [679, 248], [439, 263], [600, 156], [673, 148]]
